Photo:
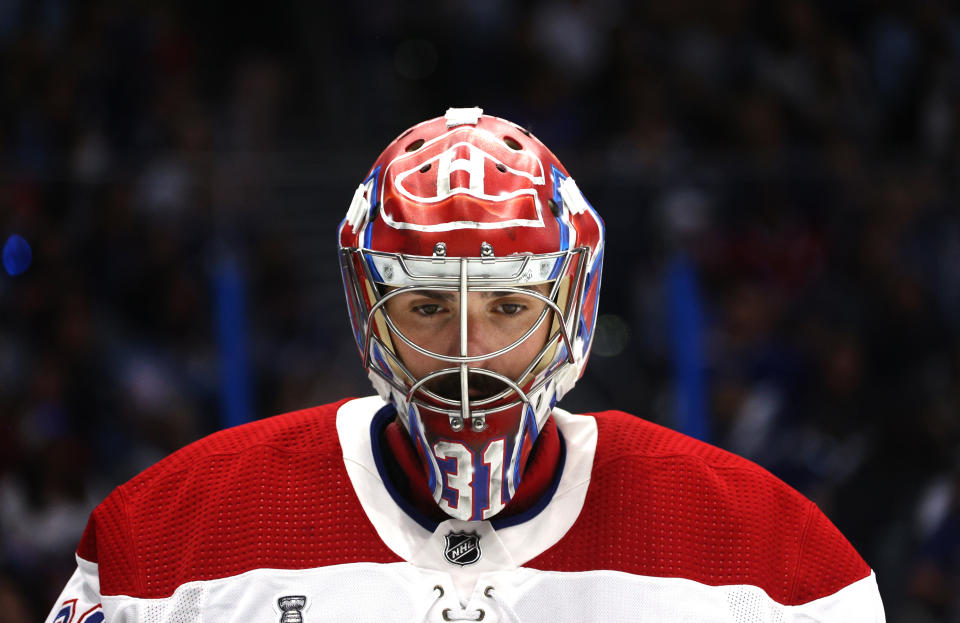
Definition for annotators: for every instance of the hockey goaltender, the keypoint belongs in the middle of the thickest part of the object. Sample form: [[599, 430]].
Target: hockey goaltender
[[461, 492]]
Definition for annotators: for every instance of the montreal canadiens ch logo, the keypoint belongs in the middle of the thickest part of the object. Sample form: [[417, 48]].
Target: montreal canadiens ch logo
[[438, 171], [463, 548]]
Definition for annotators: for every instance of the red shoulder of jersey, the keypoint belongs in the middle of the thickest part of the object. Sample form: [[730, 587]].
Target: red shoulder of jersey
[[273, 493], [666, 505]]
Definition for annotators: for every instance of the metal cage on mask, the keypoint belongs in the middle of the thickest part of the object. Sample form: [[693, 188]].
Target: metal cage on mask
[[376, 277]]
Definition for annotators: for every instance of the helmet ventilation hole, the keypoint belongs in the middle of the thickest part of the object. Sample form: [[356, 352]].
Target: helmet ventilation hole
[[554, 208], [425, 168], [512, 143], [501, 167], [415, 145]]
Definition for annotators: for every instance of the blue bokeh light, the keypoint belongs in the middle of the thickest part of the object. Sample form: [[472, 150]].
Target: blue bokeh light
[[17, 255]]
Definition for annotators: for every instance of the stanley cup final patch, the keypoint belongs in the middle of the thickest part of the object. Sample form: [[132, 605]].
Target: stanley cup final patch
[[291, 608], [462, 548]]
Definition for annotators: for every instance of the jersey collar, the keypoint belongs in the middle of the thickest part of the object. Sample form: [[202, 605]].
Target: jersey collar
[[407, 530]]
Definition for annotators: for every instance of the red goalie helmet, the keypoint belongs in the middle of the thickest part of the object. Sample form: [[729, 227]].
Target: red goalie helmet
[[468, 219]]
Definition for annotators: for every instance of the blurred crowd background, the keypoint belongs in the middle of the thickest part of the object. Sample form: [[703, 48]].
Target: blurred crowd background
[[790, 166]]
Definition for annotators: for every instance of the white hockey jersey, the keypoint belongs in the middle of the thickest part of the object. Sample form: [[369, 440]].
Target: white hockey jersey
[[293, 520]]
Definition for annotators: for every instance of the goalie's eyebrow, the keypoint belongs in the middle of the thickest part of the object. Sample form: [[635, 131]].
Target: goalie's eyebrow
[[540, 288], [441, 295], [447, 296], [436, 295]]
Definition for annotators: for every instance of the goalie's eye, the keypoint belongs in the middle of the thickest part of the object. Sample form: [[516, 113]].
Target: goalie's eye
[[511, 309], [427, 309]]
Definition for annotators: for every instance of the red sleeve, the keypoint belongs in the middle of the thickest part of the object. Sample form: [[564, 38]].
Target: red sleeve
[[270, 494], [662, 504], [827, 561], [107, 541]]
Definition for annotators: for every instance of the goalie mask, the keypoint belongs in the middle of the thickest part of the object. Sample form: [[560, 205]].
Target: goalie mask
[[471, 263]]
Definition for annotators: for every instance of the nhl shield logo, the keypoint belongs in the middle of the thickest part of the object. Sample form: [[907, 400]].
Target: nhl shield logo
[[463, 548]]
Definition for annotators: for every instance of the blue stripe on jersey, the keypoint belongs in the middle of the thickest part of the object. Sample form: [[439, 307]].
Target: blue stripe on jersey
[[542, 503], [383, 417]]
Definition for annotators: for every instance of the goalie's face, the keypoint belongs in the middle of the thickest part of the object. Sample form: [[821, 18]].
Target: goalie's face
[[494, 320]]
